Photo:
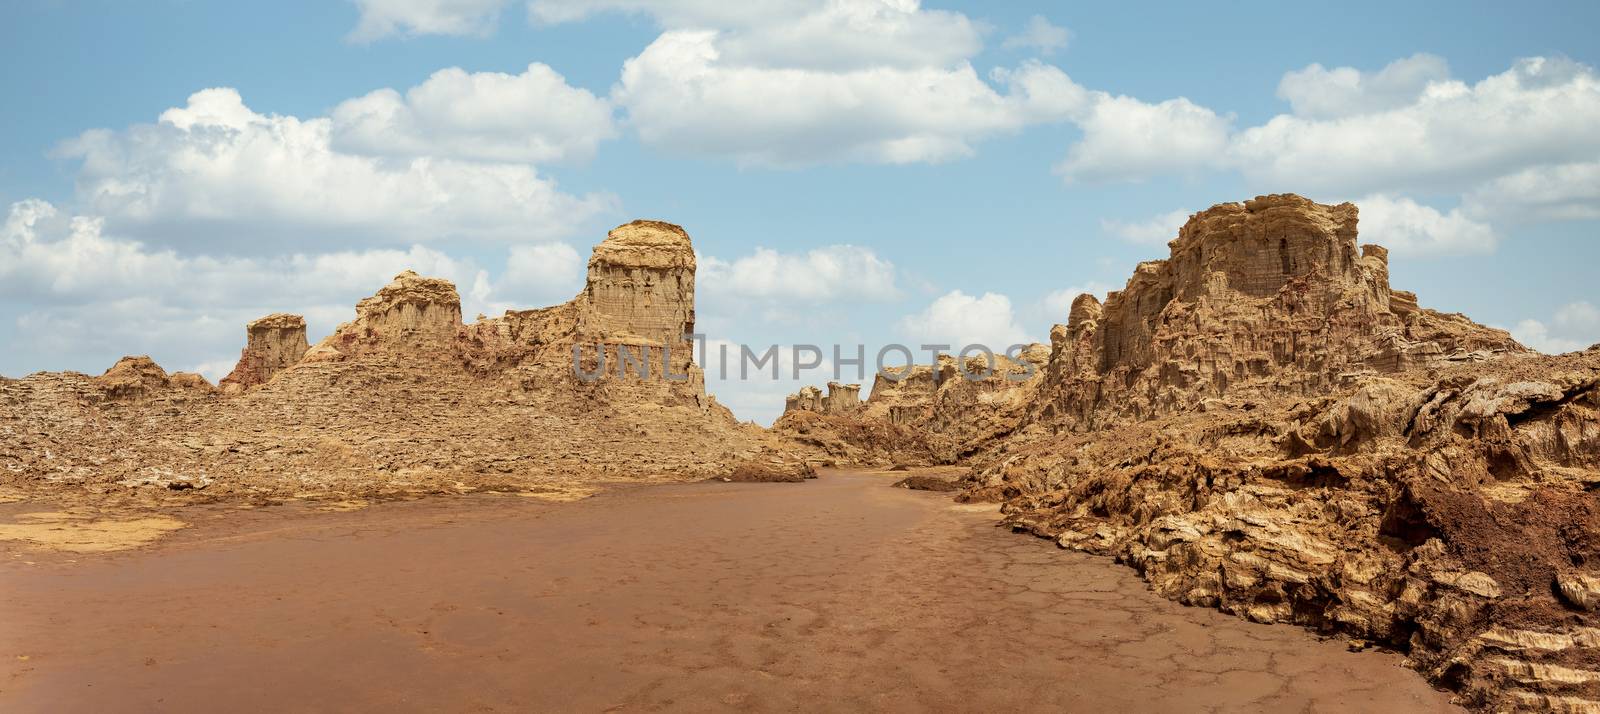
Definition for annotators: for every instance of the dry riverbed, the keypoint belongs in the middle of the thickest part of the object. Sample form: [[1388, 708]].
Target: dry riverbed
[[839, 592]]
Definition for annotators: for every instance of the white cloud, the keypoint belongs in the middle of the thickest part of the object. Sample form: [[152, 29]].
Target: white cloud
[[538, 274], [681, 95], [380, 18], [959, 319], [1450, 136], [78, 292], [214, 166], [532, 117], [1125, 139], [801, 83], [1558, 192], [1321, 93], [1041, 35], [834, 273], [1409, 228], [1575, 326], [837, 35], [1155, 230], [672, 13]]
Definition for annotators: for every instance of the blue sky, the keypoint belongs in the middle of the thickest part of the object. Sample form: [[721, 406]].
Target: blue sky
[[856, 170]]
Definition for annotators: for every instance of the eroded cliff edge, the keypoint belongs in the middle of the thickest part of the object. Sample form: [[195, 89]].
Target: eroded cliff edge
[[406, 398], [1260, 423]]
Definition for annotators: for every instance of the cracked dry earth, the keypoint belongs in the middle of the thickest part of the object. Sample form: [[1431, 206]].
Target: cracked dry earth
[[840, 592]]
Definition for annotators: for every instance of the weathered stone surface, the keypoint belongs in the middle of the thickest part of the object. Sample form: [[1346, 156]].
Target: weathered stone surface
[[920, 415], [840, 399], [406, 397], [1261, 425], [272, 344]]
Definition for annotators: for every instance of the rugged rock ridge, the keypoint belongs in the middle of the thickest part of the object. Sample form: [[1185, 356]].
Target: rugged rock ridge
[[925, 414], [840, 399], [406, 397], [140, 379], [272, 343], [1261, 424], [1267, 296]]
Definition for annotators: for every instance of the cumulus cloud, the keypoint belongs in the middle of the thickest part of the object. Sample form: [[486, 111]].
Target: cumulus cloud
[[532, 117], [1040, 35], [79, 292], [1557, 192], [1450, 135], [1155, 230], [786, 84], [959, 319], [681, 94], [539, 273], [1126, 139], [1322, 93], [834, 273], [1409, 228], [1574, 326], [216, 166], [672, 13], [381, 18], [834, 36]]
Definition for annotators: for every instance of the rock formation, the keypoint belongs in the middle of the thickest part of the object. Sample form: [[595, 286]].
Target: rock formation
[[406, 398], [1261, 424], [272, 344], [1270, 296], [841, 399], [917, 415], [1258, 423]]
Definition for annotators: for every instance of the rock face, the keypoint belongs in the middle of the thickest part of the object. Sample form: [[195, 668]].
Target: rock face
[[139, 380], [1269, 296], [922, 415], [272, 344], [406, 397], [841, 399], [1261, 424]]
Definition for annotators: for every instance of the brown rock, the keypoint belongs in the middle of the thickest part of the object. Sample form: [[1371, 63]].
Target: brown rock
[[272, 344], [1260, 424]]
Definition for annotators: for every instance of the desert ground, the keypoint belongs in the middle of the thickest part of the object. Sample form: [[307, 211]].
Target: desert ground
[[840, 592]]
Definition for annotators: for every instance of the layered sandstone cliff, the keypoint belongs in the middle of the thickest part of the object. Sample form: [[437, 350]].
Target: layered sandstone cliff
[[1271, 296], [918, 415], [407, 397], [840, 399], [272, 344], [1259, 423]]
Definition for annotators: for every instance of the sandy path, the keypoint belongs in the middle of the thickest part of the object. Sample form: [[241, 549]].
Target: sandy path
[[839, 592]]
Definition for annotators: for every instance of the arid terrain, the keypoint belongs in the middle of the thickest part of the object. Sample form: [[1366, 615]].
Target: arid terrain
[[839, 593], [1259, 425]]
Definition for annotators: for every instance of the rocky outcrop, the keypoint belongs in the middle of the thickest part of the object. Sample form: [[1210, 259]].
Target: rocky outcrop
[[139, 380], [1267, 297], [841, 399], [412, 314], [407, 397], [1260, 424], [919, 415], [272, 344]]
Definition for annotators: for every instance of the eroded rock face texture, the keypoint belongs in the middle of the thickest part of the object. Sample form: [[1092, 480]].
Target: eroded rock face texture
[[407, 398], [1270, 296], [1261, 424], [927, 414], [272, 344]]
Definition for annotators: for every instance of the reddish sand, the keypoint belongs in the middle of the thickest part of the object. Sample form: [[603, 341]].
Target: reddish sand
[[839, 593]]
